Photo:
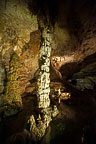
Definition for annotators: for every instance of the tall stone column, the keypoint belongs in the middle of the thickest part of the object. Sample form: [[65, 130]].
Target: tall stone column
[[43, 88]]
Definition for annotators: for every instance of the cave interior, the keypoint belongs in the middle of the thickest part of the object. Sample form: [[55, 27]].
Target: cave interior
[[47, 71]]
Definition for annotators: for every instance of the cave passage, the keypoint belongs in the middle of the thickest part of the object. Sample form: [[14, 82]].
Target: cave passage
[[47, 71]]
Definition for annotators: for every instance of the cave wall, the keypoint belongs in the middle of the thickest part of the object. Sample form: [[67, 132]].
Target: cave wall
[[73, 37], [19, 33]]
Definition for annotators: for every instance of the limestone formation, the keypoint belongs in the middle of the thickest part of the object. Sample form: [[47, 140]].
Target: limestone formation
[[19, 31], [12, 93], [63, 96], [85, 78], [2, 76], [37, 127], [43, 88], [37, 130]]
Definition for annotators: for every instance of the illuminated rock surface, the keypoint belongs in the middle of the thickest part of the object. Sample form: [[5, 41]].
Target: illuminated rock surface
[[43, 88], [12, 92], [16, 27], [73, 48]]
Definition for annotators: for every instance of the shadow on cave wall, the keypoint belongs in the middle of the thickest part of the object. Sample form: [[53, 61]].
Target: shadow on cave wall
[[69, 69], [53, 7]]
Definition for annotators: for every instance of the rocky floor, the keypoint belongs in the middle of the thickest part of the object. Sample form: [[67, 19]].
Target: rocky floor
[[78, 111]]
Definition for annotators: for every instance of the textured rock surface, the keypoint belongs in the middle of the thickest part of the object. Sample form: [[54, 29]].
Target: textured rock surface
[[37, 127], [74, 37], [58, 92], [2, 76], [29, 61], [12, 92], [86, 78], [38, 130], [18, 33], [43, 88]]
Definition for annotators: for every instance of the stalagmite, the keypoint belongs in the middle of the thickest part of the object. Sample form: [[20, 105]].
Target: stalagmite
[[43, 88]]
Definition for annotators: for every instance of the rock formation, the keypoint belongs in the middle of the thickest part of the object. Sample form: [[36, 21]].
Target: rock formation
[[2, 76], [17, 26], [86, 78], [42, 42], [43, 88], [12, 92], [38, 126]]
